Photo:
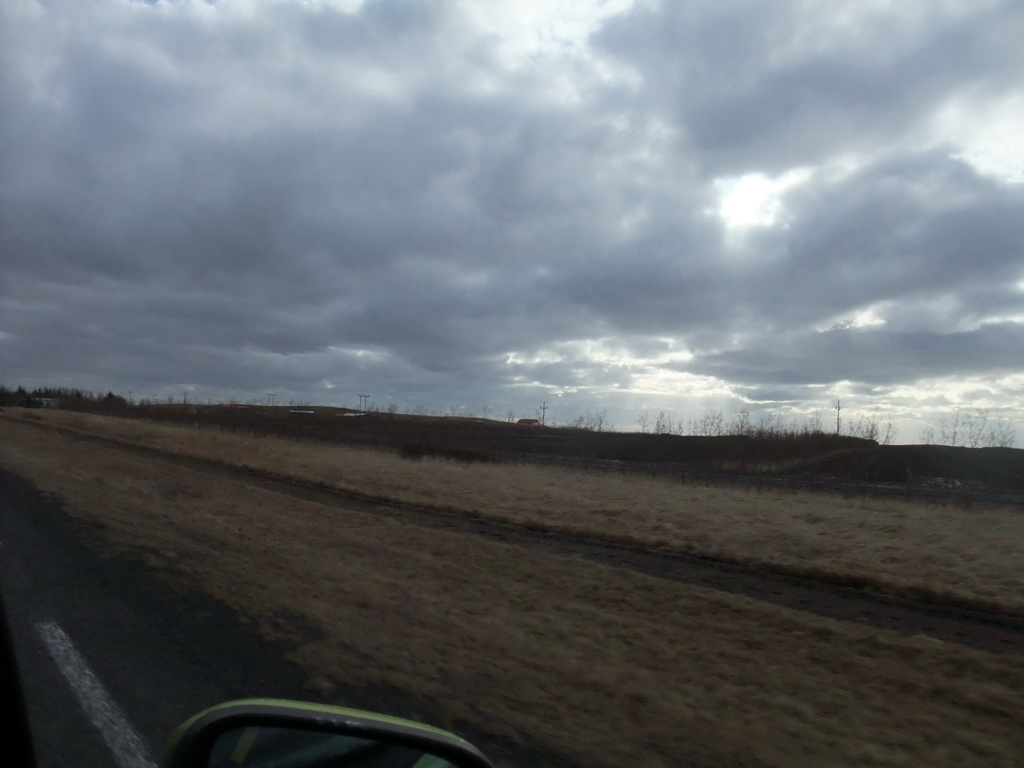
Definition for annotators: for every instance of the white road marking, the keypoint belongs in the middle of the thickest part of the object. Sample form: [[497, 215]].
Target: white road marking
[[128, 747]]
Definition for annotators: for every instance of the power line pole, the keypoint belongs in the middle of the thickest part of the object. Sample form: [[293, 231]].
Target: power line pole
[[364, 401], [271, 396], [839, 407], [543, 412]]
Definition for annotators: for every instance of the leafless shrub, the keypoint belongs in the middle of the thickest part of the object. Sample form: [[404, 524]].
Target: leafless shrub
[[709, 424], [592, 421], [663, 424], [1001, 434], [972, 429], [741, 424], [644, 421]]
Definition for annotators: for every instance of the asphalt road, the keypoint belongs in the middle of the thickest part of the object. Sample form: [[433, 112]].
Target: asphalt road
[[111, 659]]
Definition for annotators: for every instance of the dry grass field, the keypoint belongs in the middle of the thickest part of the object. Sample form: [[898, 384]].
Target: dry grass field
[[599, 665], [922, 550]]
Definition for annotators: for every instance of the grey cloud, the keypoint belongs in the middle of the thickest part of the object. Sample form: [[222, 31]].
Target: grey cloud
[[304, 195], [753, 86], [873, 357], [910, 228], [923, 238]]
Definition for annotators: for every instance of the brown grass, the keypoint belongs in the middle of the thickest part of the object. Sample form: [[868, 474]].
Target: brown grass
[[605, 666], [945, 554]]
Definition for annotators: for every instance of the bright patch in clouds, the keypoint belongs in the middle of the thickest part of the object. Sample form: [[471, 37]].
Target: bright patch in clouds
[[990, 137], [871, 317], [603, 352], [525, 29], [754, 199], [676, 386]]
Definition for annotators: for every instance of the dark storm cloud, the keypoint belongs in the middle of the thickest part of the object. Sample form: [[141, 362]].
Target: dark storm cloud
[[907, 228], [770, 86], [249, 195], [878, 357], [923, 239]]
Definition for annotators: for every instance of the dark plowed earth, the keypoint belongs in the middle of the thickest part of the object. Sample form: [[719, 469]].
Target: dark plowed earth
[[949, 623]]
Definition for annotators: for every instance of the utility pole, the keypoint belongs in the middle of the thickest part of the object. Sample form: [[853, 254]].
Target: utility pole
[[271, 396], [543, 412], [839, 407], [364, 401]]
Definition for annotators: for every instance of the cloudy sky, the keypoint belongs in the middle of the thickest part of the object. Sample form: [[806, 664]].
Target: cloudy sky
[[459, 205]]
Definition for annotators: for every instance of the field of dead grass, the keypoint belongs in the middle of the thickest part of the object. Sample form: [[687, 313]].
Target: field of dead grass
[[919, 550], [600, 665]]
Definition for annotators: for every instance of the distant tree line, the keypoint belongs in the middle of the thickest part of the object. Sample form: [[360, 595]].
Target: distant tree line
[[714, 423], [969, 428], [61, 397], [963, 427], [972, 428]]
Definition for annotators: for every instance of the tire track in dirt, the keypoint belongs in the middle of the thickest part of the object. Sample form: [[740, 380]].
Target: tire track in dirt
[[949, 623]]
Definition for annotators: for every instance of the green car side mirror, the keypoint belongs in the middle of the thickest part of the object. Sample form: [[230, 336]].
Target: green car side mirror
[[275, 733]]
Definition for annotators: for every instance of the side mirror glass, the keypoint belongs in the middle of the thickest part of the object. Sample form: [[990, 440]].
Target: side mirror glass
[[269, 733]]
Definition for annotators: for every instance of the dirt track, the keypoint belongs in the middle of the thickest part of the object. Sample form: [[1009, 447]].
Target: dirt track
[[949, 623]]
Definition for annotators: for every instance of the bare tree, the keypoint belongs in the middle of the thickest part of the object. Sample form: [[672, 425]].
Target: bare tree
[[974, 427], [741, 423], [889, 431], [592, 421], [598, 421], [970, 428], [952, 427], [769, 425], [662, 424], [1001, 434], [865, 425], [643, 421], [814, 423], [709, 424], [927, 435]]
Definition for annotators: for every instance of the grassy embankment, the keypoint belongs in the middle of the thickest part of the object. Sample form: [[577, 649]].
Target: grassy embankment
[[970, 557], [608, 666]]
